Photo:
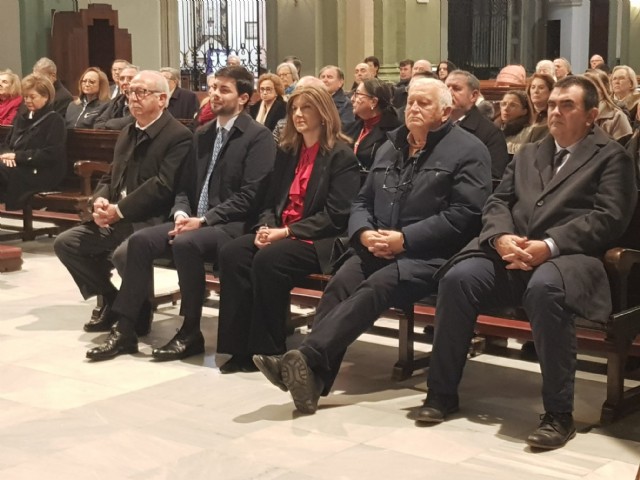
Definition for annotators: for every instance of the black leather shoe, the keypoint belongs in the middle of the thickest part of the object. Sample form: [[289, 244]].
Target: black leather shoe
[[304, 386], [145, 317], [554, 431], [271, 366], [116, 344], [103, 322], [181, 346], [239, 363], [437, 407]]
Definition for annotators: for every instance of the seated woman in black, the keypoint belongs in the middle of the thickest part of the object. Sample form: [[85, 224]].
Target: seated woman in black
[[271, 107], [514, 119], [375, 116], [314, 180], [93, 99], [33, 157]]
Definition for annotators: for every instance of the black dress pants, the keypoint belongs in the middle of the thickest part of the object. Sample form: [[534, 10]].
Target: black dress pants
[[90, 252], [190, 251], [353, 300], [478, 283], [254, 293]]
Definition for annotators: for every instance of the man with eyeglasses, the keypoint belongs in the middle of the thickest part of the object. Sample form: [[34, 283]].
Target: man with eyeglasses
[[138, 192], [117, 115], [116, 67], [220, 193], [420, 204]]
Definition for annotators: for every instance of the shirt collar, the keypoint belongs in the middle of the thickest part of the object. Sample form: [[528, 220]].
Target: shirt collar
[[150, 123]]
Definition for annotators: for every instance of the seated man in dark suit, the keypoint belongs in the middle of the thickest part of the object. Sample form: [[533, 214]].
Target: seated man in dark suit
[[465, 89], [563, 201], [137, 193], [420, 203], [47, 68], [333, 79], [221, 191], [117, 115], [182, 103]]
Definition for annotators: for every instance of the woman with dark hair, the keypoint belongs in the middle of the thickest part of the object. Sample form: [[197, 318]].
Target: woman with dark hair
[[93, 98], [271, 107], [514, 118], [314, 180], [538, 91], [10, 96], [374, 65], [375, 116], [33, 158], [445, 67]]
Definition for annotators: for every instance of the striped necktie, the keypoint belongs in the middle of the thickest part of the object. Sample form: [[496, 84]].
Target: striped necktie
[[203, 201]]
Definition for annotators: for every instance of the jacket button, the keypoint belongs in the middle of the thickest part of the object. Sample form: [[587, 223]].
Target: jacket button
[[540, 203]]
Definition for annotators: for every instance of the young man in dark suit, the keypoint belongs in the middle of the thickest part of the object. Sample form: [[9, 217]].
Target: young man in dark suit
[[221, 191], [138, 192], [562, 202]]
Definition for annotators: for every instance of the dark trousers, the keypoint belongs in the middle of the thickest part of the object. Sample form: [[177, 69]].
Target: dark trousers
[[353, 300], [254, 293], [90, 252], [189, 250], [478, 283]]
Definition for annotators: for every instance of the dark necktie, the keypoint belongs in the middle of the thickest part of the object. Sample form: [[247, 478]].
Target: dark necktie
[[558, 158], [141, 136]]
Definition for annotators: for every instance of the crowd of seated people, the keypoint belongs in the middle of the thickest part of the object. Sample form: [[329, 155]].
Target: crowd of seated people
[[264, 184]]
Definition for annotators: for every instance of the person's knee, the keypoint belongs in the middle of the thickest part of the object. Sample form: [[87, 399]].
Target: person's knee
[[543, 293], [265, 262], [62, 244], [119, 257]]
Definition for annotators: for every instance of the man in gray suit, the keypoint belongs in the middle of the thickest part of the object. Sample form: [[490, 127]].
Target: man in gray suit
[[561, 204]]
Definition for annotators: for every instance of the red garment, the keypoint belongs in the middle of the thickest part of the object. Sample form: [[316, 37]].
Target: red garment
[[366, 130], [298, 188], [206, 114], [8, 110]]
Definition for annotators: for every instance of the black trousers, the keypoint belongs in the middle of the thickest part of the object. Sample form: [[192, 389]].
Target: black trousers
[[353, 300], [478, 283], [254, 293], [189, 250], [90, 252]]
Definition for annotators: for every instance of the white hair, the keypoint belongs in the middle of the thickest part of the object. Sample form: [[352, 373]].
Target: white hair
[[444, 95]]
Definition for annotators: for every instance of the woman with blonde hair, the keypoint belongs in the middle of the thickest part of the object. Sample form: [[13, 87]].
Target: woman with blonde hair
[[271, 107], [611, 118], [624, 85], [93, 98], [10, 96], [314, 180]]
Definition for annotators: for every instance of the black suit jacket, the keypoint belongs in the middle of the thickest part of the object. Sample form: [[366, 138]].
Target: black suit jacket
[[148, 170], [238, 183], [333, 185], [375, 139], [62, 99], [115, 116], [183, 103], [476, 123], [277, 111]]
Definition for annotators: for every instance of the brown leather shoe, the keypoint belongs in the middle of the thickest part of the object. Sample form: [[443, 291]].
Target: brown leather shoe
[[554, 431]]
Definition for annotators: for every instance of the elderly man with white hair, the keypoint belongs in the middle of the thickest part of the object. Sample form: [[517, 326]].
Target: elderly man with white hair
[[47, 68], [546, 67], [420, 204]]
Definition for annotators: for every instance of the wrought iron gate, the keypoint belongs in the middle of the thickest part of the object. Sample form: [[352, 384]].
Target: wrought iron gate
[[212, 30], [478, 35]]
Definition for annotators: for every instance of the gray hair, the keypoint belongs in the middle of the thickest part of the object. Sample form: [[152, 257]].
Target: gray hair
[[159, 83], [472, 81], [45, 66], [173, 72], [546, 64], [630, 73], [444, 95], [311, 81], [337, 69], [292, 68]]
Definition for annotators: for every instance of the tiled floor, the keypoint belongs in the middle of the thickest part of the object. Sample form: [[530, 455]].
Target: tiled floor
[[62, 417]]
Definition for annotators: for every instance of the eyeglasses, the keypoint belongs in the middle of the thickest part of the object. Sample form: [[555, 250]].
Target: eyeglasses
[[401, 186], [360, 95], [140, 93], [266, 89], [285, 75], [88, 81]]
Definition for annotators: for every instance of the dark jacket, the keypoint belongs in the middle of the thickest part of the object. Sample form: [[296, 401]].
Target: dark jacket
[[41, 158], [183, 103], [435, 199], [115, 116], [333, 185], [62, 99], [345, 108], [584, 208], [277, 111], [475, 123], [147, 169], [377, 136], [83, 114], [400, 94], [239, 181]]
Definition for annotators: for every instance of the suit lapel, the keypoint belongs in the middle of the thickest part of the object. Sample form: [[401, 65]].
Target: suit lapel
[[205, 147], [581, 155], [317, 176], [287, 175], [544, 160]]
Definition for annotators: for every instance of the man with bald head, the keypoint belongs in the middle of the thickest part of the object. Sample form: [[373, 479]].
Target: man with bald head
[[420, 204], [117, 115], [595, 60], [136, 193], [421, 66]]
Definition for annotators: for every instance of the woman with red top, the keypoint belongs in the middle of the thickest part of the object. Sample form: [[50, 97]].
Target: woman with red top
[[10, 96], [375, 116], [314, 180]]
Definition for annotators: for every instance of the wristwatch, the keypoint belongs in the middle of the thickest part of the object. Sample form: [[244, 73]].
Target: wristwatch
[[203, 221]]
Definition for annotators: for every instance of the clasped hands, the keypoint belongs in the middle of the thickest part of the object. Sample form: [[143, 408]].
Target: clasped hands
[[9, 159], [104, 213], [183, 224], [267, 235], [385, 244], [520, 253]]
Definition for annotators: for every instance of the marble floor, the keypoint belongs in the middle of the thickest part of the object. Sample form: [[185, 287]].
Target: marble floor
[[62, 417]]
